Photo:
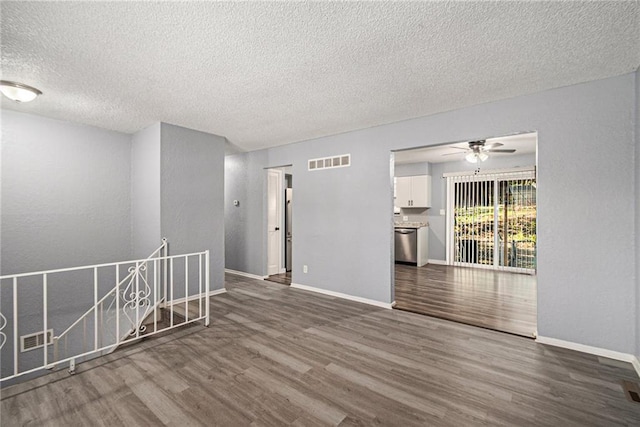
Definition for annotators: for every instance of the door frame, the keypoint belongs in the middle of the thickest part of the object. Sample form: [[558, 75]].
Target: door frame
[[275, 195], [392, 164]]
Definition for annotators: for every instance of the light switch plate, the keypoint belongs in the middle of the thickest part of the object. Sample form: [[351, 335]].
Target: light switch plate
[[442, 212], [405, 218]]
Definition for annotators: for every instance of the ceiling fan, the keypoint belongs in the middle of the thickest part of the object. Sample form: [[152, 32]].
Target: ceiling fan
[[478, 150]]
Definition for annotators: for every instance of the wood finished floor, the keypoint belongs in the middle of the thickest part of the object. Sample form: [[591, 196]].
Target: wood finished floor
[[491, 299], [277, 356], [283, 279]]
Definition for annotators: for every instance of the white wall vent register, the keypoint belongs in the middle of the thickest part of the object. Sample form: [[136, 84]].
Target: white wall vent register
[[36, 340], [340, 161]]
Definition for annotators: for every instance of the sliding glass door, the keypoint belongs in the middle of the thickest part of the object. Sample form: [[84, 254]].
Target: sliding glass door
[[491, 220]]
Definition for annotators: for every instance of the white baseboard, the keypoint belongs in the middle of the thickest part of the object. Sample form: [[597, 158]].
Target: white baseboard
[[341, 295], [437, 261], [242, 273], [597, 351]]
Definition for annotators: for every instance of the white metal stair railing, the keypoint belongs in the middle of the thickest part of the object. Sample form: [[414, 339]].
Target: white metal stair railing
[[158, 282], [134, 292]]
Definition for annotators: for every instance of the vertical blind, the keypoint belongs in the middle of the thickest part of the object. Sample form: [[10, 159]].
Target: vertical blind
[[491, 219]]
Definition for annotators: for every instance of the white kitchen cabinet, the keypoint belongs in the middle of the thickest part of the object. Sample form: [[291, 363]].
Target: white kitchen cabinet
[[413, 191], [403, 191]]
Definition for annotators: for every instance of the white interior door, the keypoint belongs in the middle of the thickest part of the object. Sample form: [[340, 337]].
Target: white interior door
[[274, 220]]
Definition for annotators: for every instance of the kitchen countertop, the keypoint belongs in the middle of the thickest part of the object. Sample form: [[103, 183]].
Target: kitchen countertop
[[410, 224]]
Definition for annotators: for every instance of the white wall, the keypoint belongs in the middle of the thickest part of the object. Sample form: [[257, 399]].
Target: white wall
[[586, 285], [192, 194], [65, 194], [411, 169], [145, 191], [245, 242]]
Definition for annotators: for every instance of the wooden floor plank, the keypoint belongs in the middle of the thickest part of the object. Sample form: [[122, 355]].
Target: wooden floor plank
[[283, 278], [498, 300], [277, 356]]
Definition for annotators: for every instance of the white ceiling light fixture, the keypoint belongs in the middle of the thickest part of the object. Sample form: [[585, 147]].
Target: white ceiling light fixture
[[474, 156], [18, 92]]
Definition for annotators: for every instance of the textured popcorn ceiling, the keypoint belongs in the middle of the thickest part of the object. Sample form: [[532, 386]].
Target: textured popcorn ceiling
[[265, 74]]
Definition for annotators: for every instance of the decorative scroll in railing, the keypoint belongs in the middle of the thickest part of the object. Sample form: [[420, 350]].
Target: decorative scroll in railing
[[150, 296], [3, 336]]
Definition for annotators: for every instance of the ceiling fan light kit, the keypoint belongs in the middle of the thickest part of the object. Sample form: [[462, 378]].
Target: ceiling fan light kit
[[473, 157], [479, 150]]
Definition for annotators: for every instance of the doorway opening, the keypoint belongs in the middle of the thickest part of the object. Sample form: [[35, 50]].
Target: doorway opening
[[474, 231], [280, 224]]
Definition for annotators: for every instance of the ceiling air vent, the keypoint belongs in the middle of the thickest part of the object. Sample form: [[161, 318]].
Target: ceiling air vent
[[340, 161], [36, 340]]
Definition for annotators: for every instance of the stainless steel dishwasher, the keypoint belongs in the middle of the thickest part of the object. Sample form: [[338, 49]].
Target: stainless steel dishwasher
[[406, 243]]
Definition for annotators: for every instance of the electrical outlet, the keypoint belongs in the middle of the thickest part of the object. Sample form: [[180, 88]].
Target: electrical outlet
[[305, 270]]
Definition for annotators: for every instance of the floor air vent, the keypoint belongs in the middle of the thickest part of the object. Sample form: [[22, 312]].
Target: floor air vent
[[632, 391], [340, 161], [32, 341]]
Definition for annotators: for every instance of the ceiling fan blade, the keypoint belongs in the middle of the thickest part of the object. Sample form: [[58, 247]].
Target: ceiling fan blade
[[453, 154], [501, 150], [493, 145]]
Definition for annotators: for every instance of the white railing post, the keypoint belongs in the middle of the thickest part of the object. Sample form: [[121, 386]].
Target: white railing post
[[155, 295], [186, 289], [117, 304], [171, 290], [45, 319], [136, 300], [95, 308], [165, 267], [207, 286], [200, 285], [15, 326], [101, 341]]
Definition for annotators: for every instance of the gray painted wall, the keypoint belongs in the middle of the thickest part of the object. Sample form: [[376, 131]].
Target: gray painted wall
[[244, 239], [411, 169], [65, 194], [145, 191], [586, 285], [192, 194], [235, 188]]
